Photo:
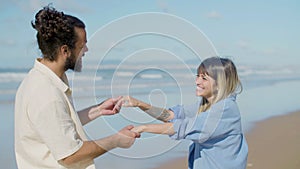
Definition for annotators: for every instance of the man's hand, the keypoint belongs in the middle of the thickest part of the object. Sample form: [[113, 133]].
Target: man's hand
[[110, 106], [92, 149], [125, 137], [107, 107]]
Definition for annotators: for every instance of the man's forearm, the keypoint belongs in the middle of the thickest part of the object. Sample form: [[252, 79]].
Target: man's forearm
[[86, 115], [90, 150]]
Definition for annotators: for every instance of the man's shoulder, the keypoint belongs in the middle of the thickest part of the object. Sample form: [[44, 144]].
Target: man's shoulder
[[36, 83]]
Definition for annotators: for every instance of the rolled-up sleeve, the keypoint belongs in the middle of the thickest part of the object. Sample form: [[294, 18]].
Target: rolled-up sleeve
[[178, 111], [184, 118], [189, 128], [185, 111], [203, 126]]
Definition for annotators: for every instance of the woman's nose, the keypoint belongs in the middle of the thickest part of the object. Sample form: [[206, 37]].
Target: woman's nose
[[197, 80]]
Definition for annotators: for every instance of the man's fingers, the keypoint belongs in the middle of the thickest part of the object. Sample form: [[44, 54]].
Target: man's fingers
[[117, 106], [138, 135], [107, 112], [117, 99], [129, 127], [134, 134]]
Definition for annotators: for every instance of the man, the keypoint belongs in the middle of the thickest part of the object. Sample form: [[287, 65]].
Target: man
[[48, 131]]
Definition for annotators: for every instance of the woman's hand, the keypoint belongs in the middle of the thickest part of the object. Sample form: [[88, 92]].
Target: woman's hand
[[128, 101], [138, 129], [156, 112]]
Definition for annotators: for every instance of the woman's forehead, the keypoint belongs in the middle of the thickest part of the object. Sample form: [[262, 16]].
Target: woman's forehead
[[201, 70], [203, 74]]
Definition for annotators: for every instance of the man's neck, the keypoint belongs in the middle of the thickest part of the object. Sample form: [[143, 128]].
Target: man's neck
[[54, 66]]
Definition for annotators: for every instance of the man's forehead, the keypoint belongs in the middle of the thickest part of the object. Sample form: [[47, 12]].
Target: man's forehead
[[81, 33]]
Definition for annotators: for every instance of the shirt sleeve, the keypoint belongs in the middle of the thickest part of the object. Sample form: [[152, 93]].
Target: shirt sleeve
[[184, 111], [56, 129], [178, 112], [219, 120]]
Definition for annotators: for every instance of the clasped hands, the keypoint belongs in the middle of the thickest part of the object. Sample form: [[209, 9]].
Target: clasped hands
[[129, 133], [113, 106]]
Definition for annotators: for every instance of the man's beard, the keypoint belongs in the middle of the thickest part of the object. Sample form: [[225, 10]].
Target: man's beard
[[73, 64]]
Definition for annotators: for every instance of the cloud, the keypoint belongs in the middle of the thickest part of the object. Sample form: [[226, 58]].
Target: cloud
[[72, 6], [7, 42], [269, 51], [243, 44], [214, 15], [163, 6], [4, 5], [27, 6], [250, 48], [34, 5]]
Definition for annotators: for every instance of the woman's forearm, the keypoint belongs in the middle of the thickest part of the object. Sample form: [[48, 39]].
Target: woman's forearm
[[160, 113], [156, 112], [164, 128]]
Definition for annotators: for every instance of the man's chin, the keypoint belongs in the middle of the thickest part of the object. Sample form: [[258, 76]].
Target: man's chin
[[77, 69]]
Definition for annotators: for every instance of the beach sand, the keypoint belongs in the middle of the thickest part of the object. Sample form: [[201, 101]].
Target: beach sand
[[273, 144]]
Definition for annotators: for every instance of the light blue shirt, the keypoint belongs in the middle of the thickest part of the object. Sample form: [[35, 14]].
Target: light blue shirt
[[218, 140]]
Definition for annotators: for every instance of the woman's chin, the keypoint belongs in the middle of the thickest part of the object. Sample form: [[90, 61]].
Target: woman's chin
[[199, 94]]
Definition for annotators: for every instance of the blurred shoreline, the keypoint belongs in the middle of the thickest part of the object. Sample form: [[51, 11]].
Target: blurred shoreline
[[273, 144], [261, 99]]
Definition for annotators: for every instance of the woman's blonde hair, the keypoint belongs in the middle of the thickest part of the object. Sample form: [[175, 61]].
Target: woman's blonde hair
[[224, 72]]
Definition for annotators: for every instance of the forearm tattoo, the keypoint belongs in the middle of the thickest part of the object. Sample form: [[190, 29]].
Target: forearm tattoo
[[158, 113]]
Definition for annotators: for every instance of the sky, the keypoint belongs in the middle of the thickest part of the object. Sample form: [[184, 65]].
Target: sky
[[252, 32]]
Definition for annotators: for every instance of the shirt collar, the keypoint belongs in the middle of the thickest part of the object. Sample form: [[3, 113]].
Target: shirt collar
[[232, 96], [61, 83]]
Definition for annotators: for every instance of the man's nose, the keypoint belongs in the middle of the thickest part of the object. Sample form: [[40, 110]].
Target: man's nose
[[85, 48]]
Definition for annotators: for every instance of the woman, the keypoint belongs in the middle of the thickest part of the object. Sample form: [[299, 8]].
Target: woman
[[213, 124]]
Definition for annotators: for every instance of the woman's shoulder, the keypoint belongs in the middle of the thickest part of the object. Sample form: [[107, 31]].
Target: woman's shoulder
[[226, 104], [229, 99]]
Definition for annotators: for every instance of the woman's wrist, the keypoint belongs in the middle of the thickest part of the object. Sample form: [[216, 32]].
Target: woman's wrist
[[137, 103], [144, 106], [139, 129]]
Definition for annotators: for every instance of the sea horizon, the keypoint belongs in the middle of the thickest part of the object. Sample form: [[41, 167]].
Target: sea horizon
[[163, 85]]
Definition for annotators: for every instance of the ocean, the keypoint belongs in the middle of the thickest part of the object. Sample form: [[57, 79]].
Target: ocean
[[267, 91]]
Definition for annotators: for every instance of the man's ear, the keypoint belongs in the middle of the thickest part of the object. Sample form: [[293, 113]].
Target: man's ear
[[65, 51]]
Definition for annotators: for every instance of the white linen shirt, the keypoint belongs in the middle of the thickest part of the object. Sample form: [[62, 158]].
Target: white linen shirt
[[47, 128]]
